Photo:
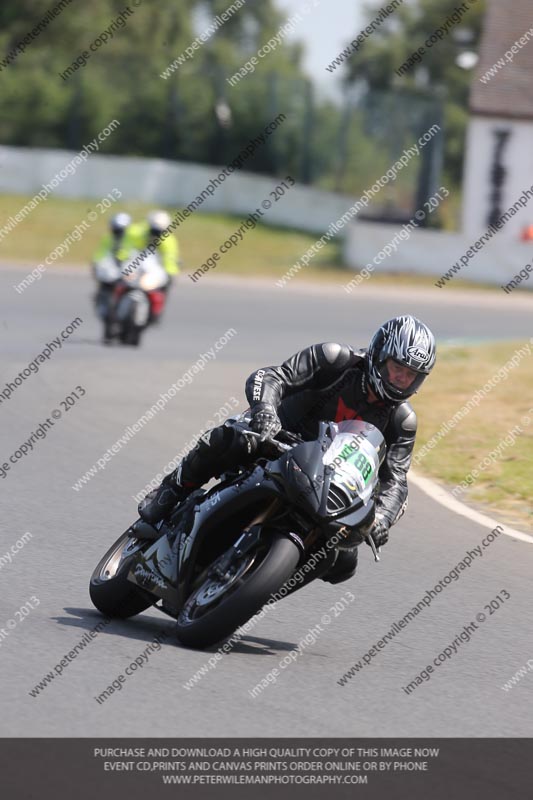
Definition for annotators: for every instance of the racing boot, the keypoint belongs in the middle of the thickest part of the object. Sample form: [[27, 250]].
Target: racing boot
[[159, 503]]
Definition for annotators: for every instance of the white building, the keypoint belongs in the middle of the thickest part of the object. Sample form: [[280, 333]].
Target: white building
[[498, 169]]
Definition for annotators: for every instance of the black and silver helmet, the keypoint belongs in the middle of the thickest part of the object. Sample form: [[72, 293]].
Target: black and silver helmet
[[410, 344]]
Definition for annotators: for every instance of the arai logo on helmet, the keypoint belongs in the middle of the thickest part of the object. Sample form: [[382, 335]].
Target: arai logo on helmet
[[418, 353]]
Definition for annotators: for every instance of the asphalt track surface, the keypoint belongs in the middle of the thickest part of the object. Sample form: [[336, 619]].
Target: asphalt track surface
[[71, 530]]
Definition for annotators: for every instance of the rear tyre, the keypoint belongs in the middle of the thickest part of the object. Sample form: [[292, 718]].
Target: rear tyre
[[110, 591], [219, 606]]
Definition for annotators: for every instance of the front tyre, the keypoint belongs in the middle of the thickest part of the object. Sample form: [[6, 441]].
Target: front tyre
[[220, 605], [111, 592], [131, 334]]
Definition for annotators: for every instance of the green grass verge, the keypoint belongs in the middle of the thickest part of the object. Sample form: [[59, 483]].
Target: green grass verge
[[504, 487], [264, 251]]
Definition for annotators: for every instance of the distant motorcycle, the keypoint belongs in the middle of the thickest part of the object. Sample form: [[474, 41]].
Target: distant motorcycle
[[106, 272], [224, 552], [137, 297]]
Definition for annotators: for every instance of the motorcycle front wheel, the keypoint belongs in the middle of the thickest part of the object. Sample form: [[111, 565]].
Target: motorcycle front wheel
[[131, 334], [214, 610]]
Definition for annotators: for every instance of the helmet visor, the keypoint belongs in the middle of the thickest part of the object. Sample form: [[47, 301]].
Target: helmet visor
[[400, 381]]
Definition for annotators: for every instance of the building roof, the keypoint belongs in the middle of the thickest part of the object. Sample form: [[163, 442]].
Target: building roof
[[509, 91]]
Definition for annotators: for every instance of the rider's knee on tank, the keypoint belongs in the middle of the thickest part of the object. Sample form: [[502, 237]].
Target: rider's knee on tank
[[218, 450], [228, 440]]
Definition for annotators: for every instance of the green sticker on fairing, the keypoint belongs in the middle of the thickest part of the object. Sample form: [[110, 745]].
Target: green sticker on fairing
[[361, 463]]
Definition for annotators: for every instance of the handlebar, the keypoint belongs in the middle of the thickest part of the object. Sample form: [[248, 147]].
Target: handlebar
[[291, 439], [288, 437]]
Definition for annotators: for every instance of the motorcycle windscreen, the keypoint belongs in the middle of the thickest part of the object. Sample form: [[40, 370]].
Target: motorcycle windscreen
[[144, 271], [354, 455]]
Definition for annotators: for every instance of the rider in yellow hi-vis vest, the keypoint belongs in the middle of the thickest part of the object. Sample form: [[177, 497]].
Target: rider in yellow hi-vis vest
[[113, 241], [154, 230]]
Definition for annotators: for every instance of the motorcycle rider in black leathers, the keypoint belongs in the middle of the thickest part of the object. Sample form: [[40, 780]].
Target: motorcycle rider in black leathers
[[323, 382]]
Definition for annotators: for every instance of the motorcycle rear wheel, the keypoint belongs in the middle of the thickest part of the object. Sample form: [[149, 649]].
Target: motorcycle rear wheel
[[110, 590], [218, 607]]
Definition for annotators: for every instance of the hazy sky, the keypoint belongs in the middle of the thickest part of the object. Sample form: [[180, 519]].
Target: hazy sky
[[325, 30]]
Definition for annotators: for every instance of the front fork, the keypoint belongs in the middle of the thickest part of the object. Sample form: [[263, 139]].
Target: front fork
[[247, 540]]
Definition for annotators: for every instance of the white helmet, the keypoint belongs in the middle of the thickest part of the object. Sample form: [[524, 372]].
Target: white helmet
[[119, 222], [158, 222]]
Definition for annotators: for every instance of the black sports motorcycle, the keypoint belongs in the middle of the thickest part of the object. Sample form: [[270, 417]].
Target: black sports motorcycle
[[222, 553]]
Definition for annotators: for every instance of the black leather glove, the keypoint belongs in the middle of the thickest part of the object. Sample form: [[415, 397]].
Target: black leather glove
[[265, 420], [380, 531]]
